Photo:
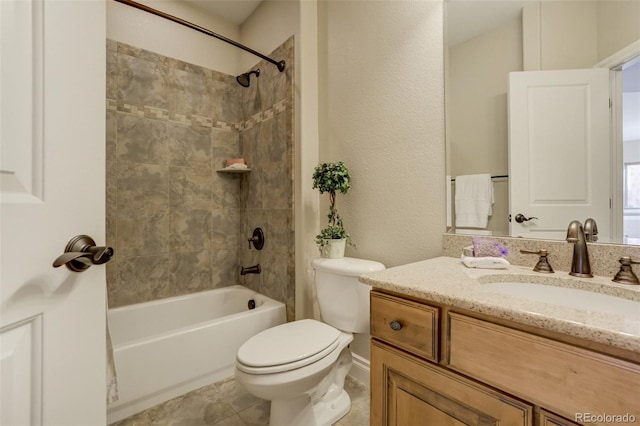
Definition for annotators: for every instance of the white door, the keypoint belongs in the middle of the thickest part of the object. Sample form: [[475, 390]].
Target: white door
[[559, 167], [52, 320]]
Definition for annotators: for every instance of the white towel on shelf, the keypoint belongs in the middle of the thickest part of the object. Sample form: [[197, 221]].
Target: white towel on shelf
[[474, 200]]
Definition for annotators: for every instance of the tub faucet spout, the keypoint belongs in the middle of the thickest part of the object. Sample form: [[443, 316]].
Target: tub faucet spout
[[580, 266], [255, 269]]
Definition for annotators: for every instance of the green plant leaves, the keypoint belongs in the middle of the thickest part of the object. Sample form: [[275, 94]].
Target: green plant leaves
[[332, 177]]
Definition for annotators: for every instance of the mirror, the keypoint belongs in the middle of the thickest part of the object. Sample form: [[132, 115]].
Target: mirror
[[486, 40]]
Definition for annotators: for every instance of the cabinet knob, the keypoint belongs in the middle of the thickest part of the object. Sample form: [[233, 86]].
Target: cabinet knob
[[395, 325]]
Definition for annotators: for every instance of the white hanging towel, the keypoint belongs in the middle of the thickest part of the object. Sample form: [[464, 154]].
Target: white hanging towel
[[112, 379], [474, 200]]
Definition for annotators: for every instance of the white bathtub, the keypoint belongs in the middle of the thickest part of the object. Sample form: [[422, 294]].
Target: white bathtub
[[166, 348]]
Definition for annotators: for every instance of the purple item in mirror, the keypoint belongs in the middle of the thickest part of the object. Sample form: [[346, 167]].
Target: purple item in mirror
[[486, 247]]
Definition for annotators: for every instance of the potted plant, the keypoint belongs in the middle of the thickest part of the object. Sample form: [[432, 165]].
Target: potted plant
[[331, 178]]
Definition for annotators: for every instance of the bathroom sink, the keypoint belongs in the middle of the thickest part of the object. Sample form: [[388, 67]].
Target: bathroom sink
[[568, 297]]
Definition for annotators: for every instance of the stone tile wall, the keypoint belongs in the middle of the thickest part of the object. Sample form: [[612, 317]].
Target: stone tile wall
[[176, 224], [266, 143]]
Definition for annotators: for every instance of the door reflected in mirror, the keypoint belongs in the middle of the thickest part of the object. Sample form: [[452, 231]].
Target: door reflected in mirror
[[564, 165]]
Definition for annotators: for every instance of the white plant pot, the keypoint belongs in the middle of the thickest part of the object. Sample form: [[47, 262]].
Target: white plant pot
[[334, 249]]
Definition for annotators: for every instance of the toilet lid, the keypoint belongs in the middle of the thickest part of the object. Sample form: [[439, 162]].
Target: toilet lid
[[288, 346]]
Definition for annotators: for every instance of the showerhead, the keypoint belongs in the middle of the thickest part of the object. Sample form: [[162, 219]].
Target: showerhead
[[243, 79]]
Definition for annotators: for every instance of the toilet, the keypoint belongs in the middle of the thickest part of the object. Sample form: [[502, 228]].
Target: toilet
[[301, 366]]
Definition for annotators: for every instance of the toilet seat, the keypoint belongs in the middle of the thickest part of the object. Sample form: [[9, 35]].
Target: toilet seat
[[287, 347]]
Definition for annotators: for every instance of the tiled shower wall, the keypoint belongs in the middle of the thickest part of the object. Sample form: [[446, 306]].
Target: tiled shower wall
[[267, 193], [176, 224]]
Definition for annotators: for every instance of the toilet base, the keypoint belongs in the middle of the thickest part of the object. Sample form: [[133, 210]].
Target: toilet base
[[327, 413], [302, 411]]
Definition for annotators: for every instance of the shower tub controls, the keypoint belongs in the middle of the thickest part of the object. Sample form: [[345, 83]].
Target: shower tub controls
[[257, 239]]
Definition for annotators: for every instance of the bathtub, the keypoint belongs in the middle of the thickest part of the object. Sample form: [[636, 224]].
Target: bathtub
[[166, 348]]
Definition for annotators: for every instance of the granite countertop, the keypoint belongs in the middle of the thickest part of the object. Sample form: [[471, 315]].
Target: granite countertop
[[446, 280]]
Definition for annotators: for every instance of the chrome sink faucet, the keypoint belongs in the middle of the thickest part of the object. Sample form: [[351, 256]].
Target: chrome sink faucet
[[580, 266]]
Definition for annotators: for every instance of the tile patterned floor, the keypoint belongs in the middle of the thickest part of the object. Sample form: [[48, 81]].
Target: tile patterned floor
[[226, 403]]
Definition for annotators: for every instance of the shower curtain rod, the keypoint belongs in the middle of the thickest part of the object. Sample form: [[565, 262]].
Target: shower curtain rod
[[280, 65]]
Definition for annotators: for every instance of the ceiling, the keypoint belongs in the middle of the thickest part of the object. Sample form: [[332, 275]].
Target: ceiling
[[234, 11], [465, 19]]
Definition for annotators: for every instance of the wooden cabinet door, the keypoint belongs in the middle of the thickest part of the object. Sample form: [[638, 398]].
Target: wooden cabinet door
[[408, 391], [546, 418], [565, 379]]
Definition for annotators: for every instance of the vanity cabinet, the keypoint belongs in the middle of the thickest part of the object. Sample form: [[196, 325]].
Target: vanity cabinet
[[407, 391], [437, 365]]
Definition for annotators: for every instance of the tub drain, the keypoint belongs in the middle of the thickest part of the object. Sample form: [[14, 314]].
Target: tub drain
[[251, 304]]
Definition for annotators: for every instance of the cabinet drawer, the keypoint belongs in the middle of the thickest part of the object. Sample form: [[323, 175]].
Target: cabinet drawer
[[565, 379], [418, 323]]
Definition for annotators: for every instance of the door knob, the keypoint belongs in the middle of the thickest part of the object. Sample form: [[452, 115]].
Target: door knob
[[522, 218], [81, 252]]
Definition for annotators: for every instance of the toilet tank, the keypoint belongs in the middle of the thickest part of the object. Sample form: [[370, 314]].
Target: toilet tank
[[343, 300]]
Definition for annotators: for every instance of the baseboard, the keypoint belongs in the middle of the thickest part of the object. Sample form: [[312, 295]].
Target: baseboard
[[360, 369]]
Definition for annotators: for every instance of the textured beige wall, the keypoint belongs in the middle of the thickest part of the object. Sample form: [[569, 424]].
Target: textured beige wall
[[273, 22], [382, 113], [477, 110], [569, 34], [618, 26], [478, 84], [138, 28], [579, 34]]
